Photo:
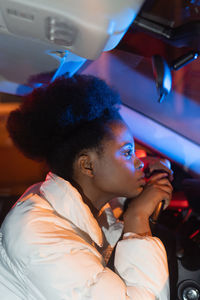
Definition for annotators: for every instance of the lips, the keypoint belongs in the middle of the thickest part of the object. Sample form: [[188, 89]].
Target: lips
[[142, 180]]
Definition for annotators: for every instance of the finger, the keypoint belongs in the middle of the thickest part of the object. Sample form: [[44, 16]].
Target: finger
[[166, 162], [166, 188], [164, 181], [171, 176], [157, 177], [166, 197], [167, 201], [164, 191], [162, 164]]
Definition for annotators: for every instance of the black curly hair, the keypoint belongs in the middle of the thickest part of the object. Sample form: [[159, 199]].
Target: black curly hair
[[57, 121]]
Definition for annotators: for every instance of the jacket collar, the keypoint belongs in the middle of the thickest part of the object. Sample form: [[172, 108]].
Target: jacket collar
[[67, 202]]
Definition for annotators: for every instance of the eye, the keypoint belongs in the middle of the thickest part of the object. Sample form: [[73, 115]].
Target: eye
[[128, 153]]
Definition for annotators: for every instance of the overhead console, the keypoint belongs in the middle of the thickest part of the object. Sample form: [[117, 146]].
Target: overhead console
[[86, 28]]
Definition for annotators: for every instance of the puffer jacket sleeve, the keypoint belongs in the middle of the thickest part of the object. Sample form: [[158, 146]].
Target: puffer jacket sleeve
[[142, 264], [71, 270]]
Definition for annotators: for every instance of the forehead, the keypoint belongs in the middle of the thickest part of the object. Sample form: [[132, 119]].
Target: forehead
[[120, 133]]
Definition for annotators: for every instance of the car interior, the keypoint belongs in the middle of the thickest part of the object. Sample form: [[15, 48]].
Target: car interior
[[149, 51]]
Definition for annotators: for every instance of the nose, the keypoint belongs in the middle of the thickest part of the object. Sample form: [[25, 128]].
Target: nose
[[138, 163]]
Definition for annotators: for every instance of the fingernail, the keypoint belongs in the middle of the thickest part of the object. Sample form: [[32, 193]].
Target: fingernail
[[165, 174]]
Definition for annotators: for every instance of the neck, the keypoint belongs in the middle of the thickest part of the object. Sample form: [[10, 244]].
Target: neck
[[94, 199]]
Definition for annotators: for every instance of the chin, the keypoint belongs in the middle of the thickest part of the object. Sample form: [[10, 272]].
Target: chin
[[135, 193], [139, 191]]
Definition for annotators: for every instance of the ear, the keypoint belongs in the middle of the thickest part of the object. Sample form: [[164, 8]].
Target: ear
[[85, 164]]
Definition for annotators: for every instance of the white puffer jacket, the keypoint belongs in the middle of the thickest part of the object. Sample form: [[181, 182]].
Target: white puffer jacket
[[48, 251]]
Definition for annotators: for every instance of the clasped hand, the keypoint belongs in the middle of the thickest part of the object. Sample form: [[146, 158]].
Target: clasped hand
[[157, 188]]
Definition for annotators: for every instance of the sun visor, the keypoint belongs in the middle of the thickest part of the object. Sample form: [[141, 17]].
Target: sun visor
[[85, 28]]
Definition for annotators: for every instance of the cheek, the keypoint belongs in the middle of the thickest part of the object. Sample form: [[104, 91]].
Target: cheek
[[118, 179], [106, 175], [126, 167], [126, 179], [117, 173], [105, 172]]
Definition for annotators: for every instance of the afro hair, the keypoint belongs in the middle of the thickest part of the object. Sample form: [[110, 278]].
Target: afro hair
[[56, 121]]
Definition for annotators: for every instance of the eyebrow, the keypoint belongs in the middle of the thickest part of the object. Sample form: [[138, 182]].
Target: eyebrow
[[126, 144]]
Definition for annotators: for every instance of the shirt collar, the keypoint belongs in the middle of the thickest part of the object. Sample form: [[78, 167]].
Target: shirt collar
[[67, 202]]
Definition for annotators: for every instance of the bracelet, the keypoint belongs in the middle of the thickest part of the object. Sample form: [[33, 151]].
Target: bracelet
[[129, 235], [152, 221]]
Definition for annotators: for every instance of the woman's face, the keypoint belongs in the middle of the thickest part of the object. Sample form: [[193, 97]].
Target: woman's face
[[117, 170]]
